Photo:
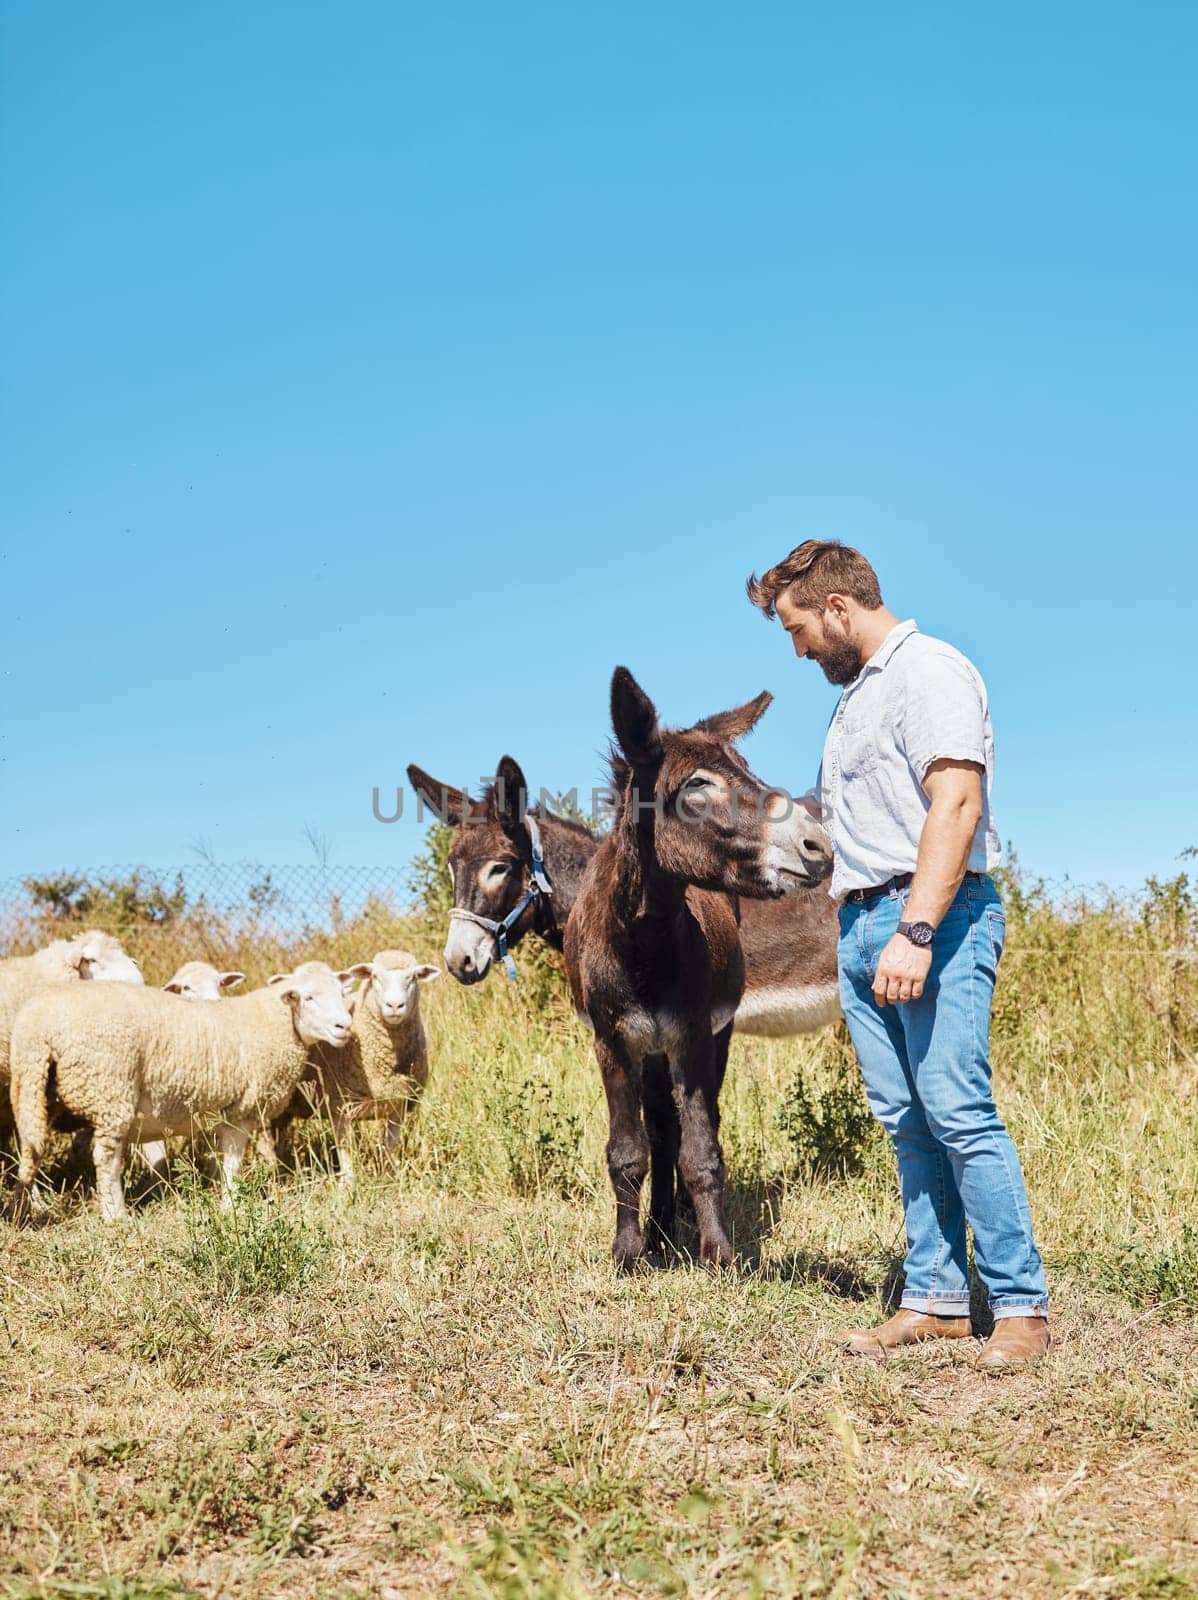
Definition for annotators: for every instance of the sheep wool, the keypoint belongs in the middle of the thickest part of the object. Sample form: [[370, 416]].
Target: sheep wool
[[90, 955], [138, 1064], [380, 1073]]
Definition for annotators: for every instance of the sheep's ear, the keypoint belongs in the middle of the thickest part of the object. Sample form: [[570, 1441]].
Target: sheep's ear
[[228, 979], [352, 974], [426, 973], [173, 987], [736, 723], [279, 977], [289, 992], [81, 961]]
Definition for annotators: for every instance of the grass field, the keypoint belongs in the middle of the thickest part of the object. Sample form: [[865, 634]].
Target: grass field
[[437, 1386]]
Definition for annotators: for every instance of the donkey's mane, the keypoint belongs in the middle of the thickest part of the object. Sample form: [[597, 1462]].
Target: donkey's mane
[[542, 812], [488, 802], [621, 774]]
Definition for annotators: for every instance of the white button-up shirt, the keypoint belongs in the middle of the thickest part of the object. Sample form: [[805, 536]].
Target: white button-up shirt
[[917, 700]]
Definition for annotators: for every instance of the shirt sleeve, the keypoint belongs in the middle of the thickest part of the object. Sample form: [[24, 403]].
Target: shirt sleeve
[[942, 713]]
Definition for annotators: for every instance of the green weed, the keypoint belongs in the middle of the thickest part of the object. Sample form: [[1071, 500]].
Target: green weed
[[252, 1249]]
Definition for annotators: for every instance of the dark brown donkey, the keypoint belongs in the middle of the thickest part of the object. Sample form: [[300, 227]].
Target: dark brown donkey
[[497, 882], [789, 945], [653, 949]]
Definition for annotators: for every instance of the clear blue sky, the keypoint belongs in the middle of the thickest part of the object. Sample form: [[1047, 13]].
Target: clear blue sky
[[377, 377]]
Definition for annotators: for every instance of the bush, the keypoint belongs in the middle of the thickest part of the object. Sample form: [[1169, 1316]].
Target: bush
[[251, 1250], [118, 904], [542, 1142], [830, 1128], [429, 878], [1164, 1279]]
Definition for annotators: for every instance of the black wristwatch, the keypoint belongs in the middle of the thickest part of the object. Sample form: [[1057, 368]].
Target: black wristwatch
[[920, 933]]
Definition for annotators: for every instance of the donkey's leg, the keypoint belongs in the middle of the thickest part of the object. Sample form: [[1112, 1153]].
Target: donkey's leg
[[693, 1069], [661, 1123], [720, 1045], [627, 1149]]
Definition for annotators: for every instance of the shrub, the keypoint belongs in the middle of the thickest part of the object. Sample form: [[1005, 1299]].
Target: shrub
[[829, 1127], [429, 877], [1164, 1279], [252, 1249], [542, 1142]]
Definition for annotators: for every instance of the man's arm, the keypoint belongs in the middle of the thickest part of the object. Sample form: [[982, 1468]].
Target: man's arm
[[955, 791]]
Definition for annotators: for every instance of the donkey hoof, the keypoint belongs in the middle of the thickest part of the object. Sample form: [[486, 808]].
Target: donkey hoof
[[628, 1257], [716, 1253]]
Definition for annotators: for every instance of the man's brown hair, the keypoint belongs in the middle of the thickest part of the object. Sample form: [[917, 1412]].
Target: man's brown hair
[[811, 572]]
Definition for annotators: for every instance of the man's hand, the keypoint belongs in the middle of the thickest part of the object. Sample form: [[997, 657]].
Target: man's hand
[[902, 971]]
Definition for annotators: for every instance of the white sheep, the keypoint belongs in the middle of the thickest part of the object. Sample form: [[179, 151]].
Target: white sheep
[[90, 955], [200, 980], [137, 1064], [195, 980], [379, 1075]]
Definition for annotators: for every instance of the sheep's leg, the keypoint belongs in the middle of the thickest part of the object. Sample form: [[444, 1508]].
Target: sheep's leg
[[153, 1153], [265, 1147], [29, 1198], [342, 1133], [393, 1134], [108, 1158], [231, 1141]]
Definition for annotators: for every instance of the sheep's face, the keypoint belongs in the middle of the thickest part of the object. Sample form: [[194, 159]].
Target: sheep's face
[[316, 995], [99, 956], [199, 980], [396, 990]]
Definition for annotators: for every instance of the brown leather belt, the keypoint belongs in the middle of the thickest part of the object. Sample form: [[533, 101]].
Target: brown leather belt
[[892, 885]]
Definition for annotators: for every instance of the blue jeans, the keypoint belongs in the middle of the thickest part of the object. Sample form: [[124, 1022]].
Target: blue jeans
[[926, 1067]]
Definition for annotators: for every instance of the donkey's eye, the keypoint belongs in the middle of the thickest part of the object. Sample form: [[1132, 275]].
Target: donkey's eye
[[696, 785], [497, 869]]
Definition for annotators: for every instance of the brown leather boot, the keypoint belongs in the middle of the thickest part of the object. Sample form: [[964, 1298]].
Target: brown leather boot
[[905, 1327], [1015, 1342]]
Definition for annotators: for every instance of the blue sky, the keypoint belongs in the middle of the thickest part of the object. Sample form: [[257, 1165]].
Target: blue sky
[[375, 378]]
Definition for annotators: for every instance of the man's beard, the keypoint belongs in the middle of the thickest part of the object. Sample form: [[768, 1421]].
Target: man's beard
[[840, 661]]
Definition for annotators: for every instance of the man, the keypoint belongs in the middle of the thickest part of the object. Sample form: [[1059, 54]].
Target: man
[[905, 786]]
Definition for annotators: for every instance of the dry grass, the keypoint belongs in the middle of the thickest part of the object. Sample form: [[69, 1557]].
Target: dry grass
[[438, 1386]]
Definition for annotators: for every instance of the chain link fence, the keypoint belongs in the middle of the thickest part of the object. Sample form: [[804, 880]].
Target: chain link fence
[[257, 919]]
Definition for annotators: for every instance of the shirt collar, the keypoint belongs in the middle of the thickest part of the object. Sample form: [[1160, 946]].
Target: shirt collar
[[876, 662]]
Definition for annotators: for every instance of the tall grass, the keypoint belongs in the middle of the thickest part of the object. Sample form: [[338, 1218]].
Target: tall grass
[[1095, 1037], [438, 1386]]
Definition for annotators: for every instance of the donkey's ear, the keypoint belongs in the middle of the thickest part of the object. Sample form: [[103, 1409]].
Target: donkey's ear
[[736, 723], [448, 803], [509, 797], [634, 719]]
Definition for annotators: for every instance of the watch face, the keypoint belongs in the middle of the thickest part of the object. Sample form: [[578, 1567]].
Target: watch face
[[922, 933]]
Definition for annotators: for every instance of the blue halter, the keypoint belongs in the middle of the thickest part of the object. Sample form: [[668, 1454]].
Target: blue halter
[[539, 887]]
